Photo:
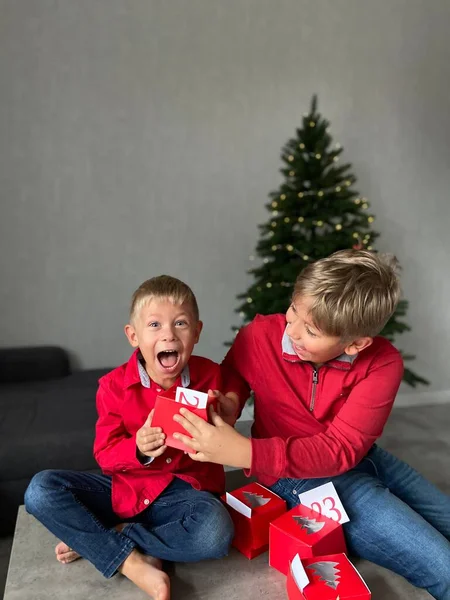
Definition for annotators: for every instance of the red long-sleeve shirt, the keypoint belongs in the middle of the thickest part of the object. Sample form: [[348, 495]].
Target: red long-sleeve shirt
[[125, 397], [311, 422]]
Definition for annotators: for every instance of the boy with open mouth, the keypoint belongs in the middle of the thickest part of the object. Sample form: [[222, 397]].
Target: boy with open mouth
[[152, 502]]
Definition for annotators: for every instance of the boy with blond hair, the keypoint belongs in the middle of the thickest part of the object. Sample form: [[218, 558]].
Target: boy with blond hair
[[324, 384], [152, 502]]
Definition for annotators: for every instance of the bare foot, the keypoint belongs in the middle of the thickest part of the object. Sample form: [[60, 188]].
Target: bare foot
[[145, 572], [64, 554]]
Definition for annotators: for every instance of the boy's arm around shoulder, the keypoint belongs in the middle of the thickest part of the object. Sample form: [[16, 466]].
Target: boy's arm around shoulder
[[348, 437], [114, 447]]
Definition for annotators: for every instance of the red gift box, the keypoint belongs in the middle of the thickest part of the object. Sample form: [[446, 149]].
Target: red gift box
[[252, 508], [331, 577], [166, 406], [305, 532]]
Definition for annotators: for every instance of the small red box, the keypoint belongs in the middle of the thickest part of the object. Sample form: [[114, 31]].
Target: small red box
[[165, 409], [331, 577], [305, 532], [252, 508]]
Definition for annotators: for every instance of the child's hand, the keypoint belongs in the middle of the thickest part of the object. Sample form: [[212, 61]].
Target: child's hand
[[217, 443], [227, 406], [150, 440]]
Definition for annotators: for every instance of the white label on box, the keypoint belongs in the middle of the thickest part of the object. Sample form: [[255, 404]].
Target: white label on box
[[298, 573], [238, 505], [325, 501], [191, 398]]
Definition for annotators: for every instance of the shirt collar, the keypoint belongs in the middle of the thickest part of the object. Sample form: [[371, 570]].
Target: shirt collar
[[344, 361], [136, 372]]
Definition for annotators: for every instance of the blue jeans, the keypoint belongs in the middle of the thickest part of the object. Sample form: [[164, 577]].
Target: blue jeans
[[182, 524], [398, 519]]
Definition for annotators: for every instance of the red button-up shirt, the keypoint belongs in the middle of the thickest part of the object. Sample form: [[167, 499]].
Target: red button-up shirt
[[124, 399], [311, 422]]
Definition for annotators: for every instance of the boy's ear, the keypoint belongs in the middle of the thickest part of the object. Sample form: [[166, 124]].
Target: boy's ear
[[130, 332], [358, 345], [198, 330]]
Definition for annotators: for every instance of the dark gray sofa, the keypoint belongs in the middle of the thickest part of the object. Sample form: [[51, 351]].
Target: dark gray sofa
[[47, 420]]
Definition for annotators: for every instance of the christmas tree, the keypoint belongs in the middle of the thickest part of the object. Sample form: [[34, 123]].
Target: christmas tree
[[310, 525], [315, 212], [326, 571], [255, 500]]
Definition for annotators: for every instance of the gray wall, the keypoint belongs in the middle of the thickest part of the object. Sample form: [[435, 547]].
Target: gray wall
[[142, 136]]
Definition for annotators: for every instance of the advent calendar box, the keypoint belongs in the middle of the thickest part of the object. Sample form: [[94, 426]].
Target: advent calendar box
[[331, 577], [305, 532], [168, 404], [252, 508]]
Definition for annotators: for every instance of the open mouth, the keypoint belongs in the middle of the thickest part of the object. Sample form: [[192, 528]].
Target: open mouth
[[169, 359], [298, 350]]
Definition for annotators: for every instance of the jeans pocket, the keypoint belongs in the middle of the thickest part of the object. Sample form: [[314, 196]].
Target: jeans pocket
[[291, 487], [276, 487]]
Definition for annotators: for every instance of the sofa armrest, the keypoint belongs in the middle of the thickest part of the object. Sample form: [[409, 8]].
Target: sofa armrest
[[18, 365]]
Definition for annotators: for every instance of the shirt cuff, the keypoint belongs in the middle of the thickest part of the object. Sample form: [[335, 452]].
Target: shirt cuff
[[268, 457], [144, 460]]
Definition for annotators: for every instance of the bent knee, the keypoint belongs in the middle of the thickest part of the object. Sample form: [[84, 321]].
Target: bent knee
[[37, 492], [438, 579], [216, 530]]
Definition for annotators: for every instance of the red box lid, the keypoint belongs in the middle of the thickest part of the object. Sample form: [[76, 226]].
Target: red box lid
[[255, 501], [331, 577], [305, 524], [166, 408]]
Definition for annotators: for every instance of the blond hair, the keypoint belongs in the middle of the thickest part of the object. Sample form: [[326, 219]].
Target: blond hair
[[163, 287], [354, 292]]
